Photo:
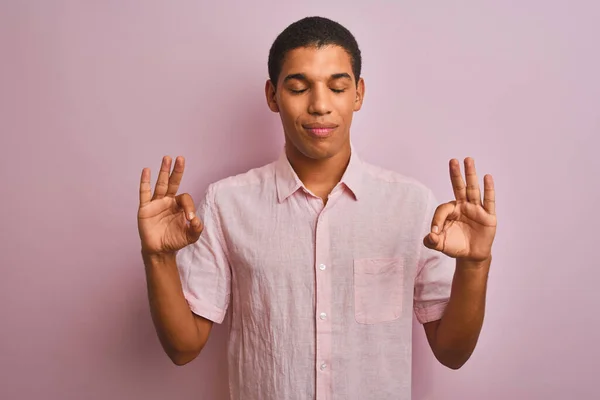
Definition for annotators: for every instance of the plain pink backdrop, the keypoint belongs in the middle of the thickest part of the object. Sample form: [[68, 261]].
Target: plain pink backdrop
[[93, 91]]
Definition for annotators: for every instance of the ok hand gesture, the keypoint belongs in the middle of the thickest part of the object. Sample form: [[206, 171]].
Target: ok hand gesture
[[167, 222], [465, 228]]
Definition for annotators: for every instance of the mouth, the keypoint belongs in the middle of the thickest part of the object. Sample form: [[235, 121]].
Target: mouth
[[319, 130]]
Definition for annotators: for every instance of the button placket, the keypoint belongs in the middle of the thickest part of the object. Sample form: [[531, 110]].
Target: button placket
[[323, 306]]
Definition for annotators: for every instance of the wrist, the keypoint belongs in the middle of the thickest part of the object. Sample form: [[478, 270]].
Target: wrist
[[475, 265], [157, 258]]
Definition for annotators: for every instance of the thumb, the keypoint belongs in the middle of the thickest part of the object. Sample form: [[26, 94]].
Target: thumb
[[433, 241], [193, 225], [194, 229]]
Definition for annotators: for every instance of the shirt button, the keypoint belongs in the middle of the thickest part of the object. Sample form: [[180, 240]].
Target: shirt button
[[323, 315], [322, 267], [323, 367]]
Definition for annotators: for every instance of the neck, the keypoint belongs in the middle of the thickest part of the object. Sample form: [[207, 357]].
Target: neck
[[319, 176]]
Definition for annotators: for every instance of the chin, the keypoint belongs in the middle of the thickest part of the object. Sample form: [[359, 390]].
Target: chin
[[316, 148], [320, 149]]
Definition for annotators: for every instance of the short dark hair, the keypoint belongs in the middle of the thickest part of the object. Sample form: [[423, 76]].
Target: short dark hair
[[312, 31]]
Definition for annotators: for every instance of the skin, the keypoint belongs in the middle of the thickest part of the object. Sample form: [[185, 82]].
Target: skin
[[463, 229], [317, 89], [167, 223]]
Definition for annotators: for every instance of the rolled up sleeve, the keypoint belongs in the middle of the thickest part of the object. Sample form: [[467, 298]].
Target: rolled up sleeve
[[203, 266]]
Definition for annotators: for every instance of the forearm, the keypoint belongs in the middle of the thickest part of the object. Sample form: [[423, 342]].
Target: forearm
[[171, 315], [460, 326]]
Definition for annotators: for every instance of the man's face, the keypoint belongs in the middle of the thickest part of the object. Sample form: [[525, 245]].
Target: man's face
[[316, 97]]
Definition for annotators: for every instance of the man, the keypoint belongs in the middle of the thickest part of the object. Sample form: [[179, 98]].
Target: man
[[319, 257]]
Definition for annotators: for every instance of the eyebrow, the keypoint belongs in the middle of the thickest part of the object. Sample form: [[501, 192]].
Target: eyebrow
[[302, 77]]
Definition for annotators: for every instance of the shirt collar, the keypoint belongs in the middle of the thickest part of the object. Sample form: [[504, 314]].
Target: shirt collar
[[287, 181]]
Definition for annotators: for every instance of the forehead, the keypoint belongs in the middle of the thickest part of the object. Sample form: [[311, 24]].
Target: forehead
[[317, 63]]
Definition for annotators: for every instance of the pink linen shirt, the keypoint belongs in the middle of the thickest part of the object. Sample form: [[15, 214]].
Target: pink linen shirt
[[319, 298]]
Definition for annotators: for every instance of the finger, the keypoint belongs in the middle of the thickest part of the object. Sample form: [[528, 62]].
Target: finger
[[162, 182], [473, 191], [186, 203], [458, 184], [176, 175], [441, 216], [145, 190], [489, 194]]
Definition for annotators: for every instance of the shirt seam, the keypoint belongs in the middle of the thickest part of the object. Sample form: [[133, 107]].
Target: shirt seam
[[212, 205], [423, 229], [221, 238]]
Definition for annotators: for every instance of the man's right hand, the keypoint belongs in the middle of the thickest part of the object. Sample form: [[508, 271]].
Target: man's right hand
[[167, 222]]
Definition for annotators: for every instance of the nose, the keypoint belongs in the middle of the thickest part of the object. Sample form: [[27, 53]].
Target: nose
[[319, 102]]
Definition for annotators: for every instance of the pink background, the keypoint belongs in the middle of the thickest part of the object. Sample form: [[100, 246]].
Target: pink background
[[92, 92]]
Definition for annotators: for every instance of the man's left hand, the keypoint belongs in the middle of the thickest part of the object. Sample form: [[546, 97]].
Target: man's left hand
[[465, 228]]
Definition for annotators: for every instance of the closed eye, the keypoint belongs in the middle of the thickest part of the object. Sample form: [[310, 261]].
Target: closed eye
[[298, 91]]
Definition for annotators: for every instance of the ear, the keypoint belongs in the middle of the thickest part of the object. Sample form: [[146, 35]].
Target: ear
[[271, 95], [360, 94]]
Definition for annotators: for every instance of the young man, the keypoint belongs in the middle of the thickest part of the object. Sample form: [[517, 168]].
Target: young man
[[319, 257]]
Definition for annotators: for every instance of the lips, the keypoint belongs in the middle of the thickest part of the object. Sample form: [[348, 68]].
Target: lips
[[320, 129]]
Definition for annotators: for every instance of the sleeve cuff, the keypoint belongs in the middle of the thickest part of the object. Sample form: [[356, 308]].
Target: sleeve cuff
[[210, 312], [430, 313]]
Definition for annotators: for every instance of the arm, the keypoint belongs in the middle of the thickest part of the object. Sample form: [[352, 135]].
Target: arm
[[167, 222], [453, 338], [182, 333], [463, 229]]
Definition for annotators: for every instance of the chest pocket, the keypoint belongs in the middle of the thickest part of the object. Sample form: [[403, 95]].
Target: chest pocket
[[378, 289]]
